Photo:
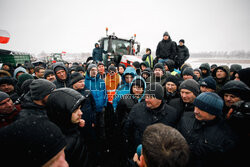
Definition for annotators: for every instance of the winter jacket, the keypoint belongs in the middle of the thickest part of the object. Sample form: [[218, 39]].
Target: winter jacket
[[149, 59], [209, 141], [124, 88], [166, 49], [221, 82], [127, 102], [182, 55], [97, 54], [61, 104], [140, 117], [98, 90], [206, 67], [58, 82], [181, 107], [30, 108]]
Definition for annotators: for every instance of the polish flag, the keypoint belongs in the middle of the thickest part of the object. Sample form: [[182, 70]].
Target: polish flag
[[4, 37], [63, 53]]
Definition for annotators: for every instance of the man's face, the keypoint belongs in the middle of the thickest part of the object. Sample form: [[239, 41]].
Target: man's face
[[202, 115], [158, 72], [93, 72], [79, 85], [76, 115], [166, 68], [7, 88], [101, 68], [51, 77], [187, 96], [128, 78], [181, 43], [165, 37], [220, 74], [230, 99], [6, 106], [171, 87], [121, 70], [40, 74], [152, 102], [204, 71], [61, 74], [197, 74], [185, 77], [6, 67], [143, 67]]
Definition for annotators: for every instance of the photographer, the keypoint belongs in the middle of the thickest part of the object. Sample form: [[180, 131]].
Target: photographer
[[236, 111]]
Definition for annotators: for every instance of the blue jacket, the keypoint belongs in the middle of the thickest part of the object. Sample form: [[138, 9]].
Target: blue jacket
[[124, 88], [98, 90]]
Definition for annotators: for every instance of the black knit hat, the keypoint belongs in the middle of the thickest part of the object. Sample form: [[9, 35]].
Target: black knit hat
[[182, 40], [3, 96], [75, 77], [40, 88], [138, 82], [155, 90], [209, 102], [48, 72], [26, 85], [188, 71], [30, 141], [166, 34], [7, 80], [191, 85], [173, 79], [159, 65], [90, 66]]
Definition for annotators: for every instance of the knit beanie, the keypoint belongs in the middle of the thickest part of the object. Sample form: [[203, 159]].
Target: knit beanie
[[191, 85], [59, 68], [188, 71], [209, 82], [3, 96], [75, 77], [173, 79], [136, 64], [159, 65], [31, 141], [147, 71], [198, 70], [209, 102], [91, 66], [7, 80], [122, 65], [23, 77], [235, 67], [48, 72], [40, 88], [26, 85], [112, 68], [166, 34], [156, 90], [138, 82], [182, 40]]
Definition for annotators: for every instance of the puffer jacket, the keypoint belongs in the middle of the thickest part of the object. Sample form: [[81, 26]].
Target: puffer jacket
[[209, 141], [166, 49], [124, 88], [98, 89]]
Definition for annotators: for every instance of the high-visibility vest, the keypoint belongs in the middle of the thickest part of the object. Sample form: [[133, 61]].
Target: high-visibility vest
[[111, 85], [149, 59]]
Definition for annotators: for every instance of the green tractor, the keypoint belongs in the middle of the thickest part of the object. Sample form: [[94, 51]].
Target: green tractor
[[117, 48], [14, 58]]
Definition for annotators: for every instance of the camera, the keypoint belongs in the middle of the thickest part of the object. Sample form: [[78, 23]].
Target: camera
[[241, 110]]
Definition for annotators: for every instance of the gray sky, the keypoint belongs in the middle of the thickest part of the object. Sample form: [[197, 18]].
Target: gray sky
[[75, 25]]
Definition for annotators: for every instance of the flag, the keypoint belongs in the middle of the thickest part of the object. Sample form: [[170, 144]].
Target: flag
[[4, 37]]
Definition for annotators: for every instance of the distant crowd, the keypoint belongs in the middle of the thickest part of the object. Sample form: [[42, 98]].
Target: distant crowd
[[158, 112]]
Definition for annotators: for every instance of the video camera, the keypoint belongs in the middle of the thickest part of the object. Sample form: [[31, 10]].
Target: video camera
[[241, 110]]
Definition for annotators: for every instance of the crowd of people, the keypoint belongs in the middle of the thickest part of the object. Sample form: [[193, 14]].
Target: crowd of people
[[90, 115]]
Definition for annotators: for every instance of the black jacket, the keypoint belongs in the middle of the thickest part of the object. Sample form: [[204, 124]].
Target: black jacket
[[140, 117], [28, 108], [166, 49], [182, 54], [60, 106], [181, 107], [209, 141]]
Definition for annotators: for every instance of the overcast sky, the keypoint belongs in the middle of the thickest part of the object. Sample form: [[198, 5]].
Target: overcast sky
[[75, 25]]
